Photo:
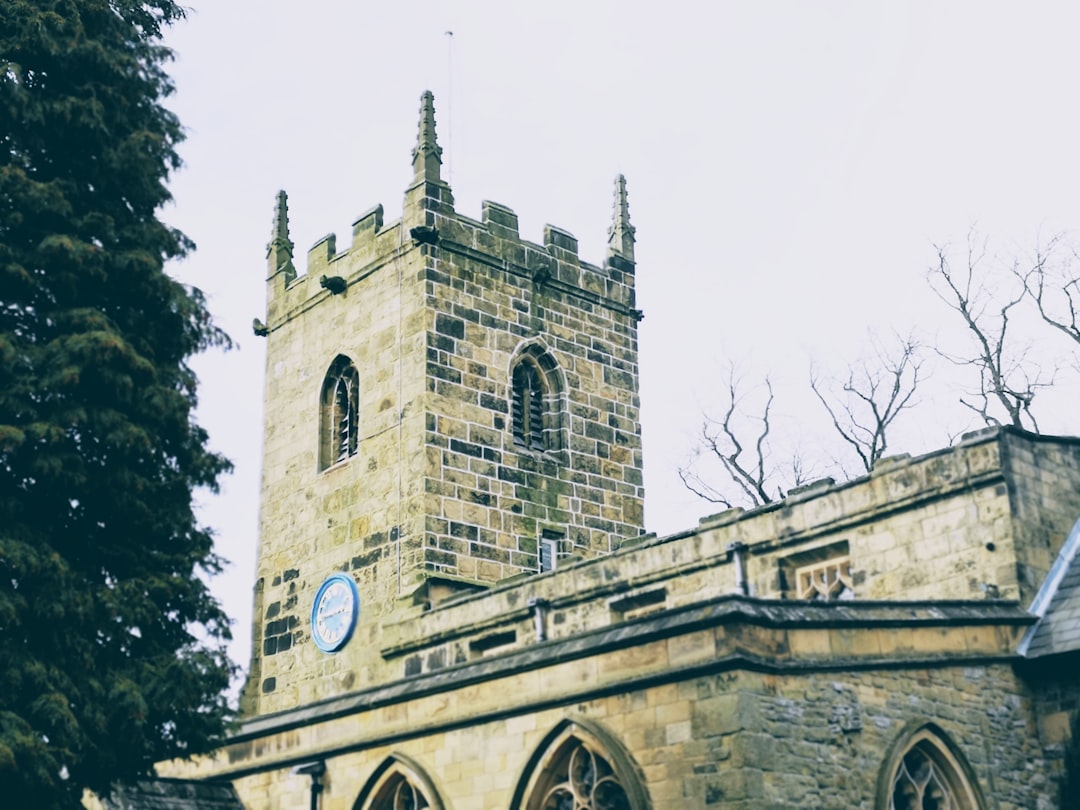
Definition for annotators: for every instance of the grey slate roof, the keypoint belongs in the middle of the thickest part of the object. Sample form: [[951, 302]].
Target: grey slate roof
[[174, 794], [1058, 604]]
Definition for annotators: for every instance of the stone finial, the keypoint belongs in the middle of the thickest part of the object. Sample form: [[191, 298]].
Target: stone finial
[[279, 240], [427, 155], [621, 232]]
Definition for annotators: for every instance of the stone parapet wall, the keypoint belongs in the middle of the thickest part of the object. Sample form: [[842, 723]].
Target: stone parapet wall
[[937, 527], [1044, 485]]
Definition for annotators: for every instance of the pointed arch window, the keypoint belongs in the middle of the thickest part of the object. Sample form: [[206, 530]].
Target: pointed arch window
[[582, 780], [580, 768], [339, 420], [398, 784], [400, 794], [928, 773], [535, 401]]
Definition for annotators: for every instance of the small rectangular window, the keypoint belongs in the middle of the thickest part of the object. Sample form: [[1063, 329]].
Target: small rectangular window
[[549, 549]]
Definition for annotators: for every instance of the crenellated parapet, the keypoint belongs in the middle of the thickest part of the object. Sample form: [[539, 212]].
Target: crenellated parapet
[[551, 266]]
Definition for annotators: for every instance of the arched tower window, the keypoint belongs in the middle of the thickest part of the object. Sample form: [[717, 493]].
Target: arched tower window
[[339, 417], [926, 772], [535, 401], [580, 767], [398, 784]]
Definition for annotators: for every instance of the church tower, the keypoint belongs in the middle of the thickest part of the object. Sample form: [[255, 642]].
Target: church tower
[[447, 405]]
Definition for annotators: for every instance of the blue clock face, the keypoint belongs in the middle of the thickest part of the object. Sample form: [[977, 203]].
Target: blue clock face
[[334, 613]]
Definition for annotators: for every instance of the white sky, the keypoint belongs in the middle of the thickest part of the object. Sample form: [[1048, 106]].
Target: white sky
[[790, 167]]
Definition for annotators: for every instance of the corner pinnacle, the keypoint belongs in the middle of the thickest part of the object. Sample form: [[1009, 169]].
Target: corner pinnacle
[[280, 249], [621, 232], [279, 240], [427, 155]]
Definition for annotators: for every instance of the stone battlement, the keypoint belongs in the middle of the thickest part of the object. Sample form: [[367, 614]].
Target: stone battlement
[[494, 239]]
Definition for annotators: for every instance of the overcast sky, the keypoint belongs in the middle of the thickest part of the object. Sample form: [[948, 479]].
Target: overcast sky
[[790, 168]]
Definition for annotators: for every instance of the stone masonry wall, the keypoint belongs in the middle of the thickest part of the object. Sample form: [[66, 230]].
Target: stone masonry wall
[[1044, 475], [432, 312], [362, 515], [983, 519], [488, 295]]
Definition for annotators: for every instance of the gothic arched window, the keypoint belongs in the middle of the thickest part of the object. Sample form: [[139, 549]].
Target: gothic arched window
[[398, 784], [927, 773], [534, 401], [581, 779], [580, 768], [339, 418]]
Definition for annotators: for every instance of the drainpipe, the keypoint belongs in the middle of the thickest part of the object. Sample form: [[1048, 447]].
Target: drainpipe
[[315, 770], [539, 606], [737, 551]]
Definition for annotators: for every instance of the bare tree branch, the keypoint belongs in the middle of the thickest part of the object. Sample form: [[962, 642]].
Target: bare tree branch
[[1047, 280], [747, 473], [1008, 378], [874, 394]]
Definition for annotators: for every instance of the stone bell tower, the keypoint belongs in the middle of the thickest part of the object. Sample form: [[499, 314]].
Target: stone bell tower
[[447, 405]]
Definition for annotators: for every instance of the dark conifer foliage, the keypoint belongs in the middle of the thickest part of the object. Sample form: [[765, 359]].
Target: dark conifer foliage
[[110, 643]]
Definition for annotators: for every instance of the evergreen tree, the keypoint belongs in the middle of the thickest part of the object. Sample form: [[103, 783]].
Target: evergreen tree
[[111, 647]]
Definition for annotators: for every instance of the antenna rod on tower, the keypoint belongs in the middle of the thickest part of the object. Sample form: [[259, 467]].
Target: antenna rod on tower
[[450, 107]]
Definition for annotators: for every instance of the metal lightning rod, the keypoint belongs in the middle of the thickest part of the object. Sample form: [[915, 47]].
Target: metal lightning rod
[[450, 107]]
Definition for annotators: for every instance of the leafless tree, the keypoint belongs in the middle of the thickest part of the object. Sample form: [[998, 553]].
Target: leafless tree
[[742, 451], [1008, 376], [875, 392]]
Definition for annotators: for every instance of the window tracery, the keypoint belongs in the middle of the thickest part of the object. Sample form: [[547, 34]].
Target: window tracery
[[400, 794], [825, 581], [927, 773], [584, 780], [919, 786], [580, 767]]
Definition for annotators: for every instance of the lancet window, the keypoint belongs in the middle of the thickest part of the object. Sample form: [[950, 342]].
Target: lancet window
[[535, 401], [339, 422]]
